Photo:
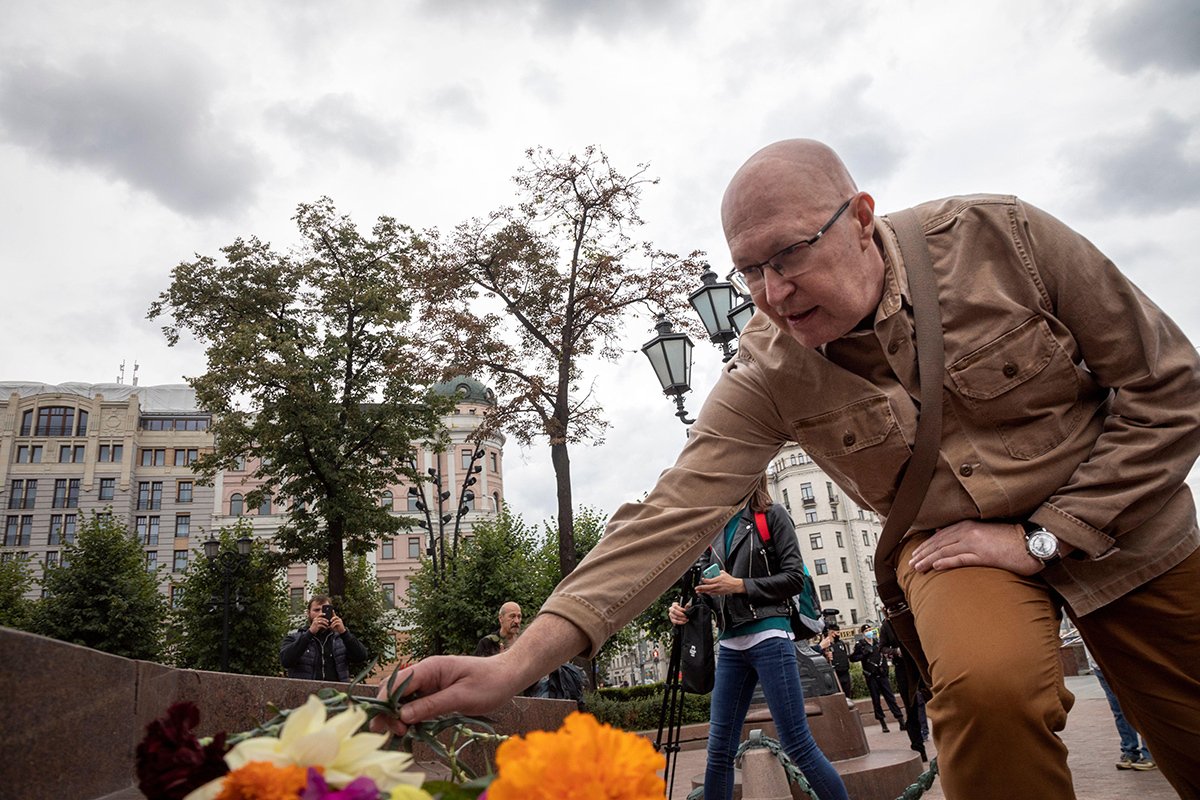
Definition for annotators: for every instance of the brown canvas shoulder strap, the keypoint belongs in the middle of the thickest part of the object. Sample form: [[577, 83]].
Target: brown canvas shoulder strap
[[930, 371]]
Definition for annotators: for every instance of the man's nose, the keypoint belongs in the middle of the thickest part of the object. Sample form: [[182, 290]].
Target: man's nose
[[776, 288]]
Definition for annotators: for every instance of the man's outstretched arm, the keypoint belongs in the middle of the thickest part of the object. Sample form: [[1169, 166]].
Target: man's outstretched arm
[[469, 685]]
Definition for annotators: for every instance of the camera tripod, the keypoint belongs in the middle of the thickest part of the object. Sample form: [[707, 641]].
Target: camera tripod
[[670, 716]]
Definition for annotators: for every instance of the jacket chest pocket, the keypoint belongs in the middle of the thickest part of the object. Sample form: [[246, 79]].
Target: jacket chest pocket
[[1025, 385], [861, 445]]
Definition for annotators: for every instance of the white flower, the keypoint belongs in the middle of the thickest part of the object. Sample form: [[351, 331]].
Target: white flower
[[308, 739]]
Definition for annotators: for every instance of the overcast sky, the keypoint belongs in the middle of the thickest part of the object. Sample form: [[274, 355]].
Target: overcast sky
[[133, 135]]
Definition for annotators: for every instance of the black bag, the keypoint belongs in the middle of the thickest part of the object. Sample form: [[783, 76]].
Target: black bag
[[697, 662]]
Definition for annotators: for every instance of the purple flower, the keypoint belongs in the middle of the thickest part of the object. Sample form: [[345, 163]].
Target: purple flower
[[358, 789]]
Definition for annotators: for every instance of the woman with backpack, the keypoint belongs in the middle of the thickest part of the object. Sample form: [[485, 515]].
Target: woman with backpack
[[758, 570]]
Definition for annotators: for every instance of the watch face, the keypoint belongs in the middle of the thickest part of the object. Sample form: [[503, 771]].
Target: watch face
[[1043, 545]]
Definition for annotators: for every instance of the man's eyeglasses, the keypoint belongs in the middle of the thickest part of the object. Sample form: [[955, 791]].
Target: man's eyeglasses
[[786, 262]]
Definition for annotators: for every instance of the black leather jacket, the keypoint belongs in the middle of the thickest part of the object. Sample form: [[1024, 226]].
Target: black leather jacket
[[771, 571]]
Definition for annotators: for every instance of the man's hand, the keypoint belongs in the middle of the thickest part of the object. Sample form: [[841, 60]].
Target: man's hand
[[468, 685], [338, 626], [319, 624], [724, 583], [976, 544], [678, 613]]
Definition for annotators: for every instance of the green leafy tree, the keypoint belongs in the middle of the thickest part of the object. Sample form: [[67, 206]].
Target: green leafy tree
[[102, 596], [447, 611], [16, 611], [258, 614], [365, 613], [316, 368], [558, 275]]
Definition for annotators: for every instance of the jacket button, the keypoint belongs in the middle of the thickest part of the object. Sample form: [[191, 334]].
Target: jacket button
[[966, 470], [1009, 370], [894, 346], [848, 438]]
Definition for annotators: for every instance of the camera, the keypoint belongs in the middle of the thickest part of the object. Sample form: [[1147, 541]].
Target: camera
[[327, 610]]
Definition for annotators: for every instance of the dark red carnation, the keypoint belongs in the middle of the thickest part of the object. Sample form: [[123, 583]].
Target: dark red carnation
[[171, 762]]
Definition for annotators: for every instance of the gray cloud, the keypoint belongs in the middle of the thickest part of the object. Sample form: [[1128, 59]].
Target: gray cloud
[[459, 104], [1150, 33], [608, 18], [144, 119], [335, 121], [1147, 171]]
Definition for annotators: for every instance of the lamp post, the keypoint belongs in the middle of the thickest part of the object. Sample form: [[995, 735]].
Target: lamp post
[[670, 354], [227, 562], [713, 301], [436, 549]]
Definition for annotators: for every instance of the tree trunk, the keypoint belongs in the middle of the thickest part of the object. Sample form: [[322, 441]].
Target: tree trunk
[[337, 560], [566, 512]]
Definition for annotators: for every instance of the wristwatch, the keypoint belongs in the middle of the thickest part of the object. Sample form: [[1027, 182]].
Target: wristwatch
[[1041, 543]]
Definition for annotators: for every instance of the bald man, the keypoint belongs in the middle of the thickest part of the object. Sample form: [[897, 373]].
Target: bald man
[[502, 638], [1071, 420]]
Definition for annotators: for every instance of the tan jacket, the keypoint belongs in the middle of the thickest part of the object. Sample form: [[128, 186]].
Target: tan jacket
[[1069, 399]]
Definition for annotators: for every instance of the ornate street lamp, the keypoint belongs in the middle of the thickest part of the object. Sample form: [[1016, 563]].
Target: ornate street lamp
[[740, 314], [670, 354], [712, 302], [227, 562]]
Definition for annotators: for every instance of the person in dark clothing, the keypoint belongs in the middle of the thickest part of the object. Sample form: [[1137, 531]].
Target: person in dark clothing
[[875, 671], [838, 655], [499, 640], [322, 650], [910, 687]]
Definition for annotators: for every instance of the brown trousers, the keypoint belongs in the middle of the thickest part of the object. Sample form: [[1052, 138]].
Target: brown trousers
[[999, 699]]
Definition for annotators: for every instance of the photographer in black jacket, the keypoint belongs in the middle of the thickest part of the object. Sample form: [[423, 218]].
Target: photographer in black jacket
[[875, 671], [323, 650]]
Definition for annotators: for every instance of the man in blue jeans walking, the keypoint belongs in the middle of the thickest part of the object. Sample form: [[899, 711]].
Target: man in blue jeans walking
[[1134, 754]]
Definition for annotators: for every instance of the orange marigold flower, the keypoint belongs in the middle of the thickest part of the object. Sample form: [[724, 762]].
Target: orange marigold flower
[[259, 780], [582, 760]]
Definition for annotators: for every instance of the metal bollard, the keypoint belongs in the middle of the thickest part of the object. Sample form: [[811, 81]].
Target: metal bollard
[[763, 777]]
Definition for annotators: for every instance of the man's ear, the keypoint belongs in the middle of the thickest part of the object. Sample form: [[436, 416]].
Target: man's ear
[[863, 208]]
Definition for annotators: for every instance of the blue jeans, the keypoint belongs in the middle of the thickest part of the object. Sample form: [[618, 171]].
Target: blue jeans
[[772, 661], [1130, 746]]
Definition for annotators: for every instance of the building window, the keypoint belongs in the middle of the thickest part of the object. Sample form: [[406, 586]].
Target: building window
[[386, 500], [235, 505], [387, 550], [810, 516], [68, 532], [29, 454], [414, 547], [183, 491], [264, 508], [787, 503], [465, 455], [825, 592], [176, 596], [821, 566], [389, 594], [147, 529], [496, 501], [56, 421], [26, 423], [71, 454], [871, 562], [73, 493], [833, 512], [296, 597], [866, 538], [11, 528], [153, 457], [149, 495], [22, 494], [814, 541], [180, 562], [183, 526], [108, 488], [861, 515], [185, 456], [806, 492], [845, 566], [51, 559], [850, 590], [55, 536], [66, 493], [838, 535], [854, 615], [110, 453], [495, 462], [151, 560]]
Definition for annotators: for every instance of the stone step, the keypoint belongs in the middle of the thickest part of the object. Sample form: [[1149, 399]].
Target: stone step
[[879, 775]]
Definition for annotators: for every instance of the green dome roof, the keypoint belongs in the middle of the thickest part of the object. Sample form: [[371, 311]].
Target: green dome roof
[[467, 389]]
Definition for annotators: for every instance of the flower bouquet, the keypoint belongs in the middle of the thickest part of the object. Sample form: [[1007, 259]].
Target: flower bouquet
[[323, 751]]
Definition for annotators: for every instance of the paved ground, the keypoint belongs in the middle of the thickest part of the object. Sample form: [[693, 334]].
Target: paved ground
[[1090, 736]]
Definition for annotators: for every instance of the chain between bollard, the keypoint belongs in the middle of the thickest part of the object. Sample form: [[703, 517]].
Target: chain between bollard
[[795, 776]]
